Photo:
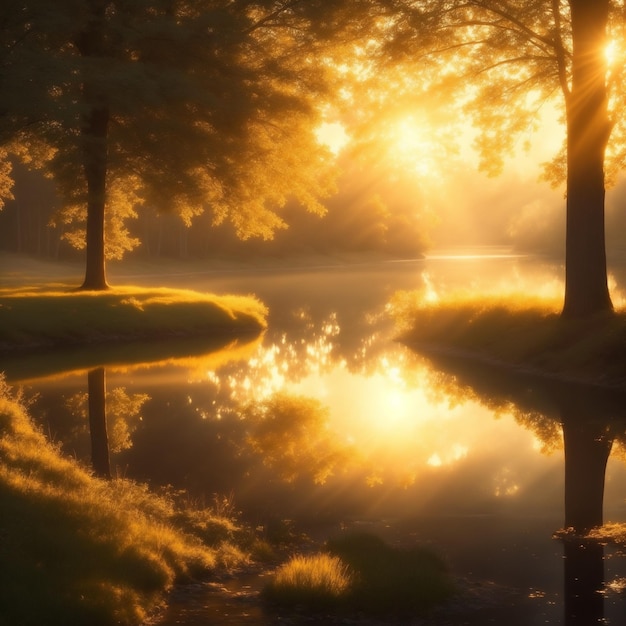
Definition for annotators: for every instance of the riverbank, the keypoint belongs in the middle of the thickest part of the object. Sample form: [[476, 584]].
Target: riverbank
[[81, 550], [239, 599], [39, 318], [520, 333]]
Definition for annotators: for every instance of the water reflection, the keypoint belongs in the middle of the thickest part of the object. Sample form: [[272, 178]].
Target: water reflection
[[583, 583], [325, 419], [290, 434], [98, 423], [109, 417], [363, 428], [587, 420], [592, 420]]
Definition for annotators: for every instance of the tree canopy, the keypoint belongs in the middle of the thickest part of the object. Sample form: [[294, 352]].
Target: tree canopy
[[185, 106], [498, 64], [202, 105]]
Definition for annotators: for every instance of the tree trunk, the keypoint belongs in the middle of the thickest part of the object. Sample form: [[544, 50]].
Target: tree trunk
[[95, 167], [94, 133], [588, 130]]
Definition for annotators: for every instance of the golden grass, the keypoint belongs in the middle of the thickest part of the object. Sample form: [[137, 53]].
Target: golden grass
[[317, 580], [79, 550], [39, 317], [522, 332]]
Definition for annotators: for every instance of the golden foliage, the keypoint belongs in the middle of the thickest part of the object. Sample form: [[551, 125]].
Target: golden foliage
[[6, 182]]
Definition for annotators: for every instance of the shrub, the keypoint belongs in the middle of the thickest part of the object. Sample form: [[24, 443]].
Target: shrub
[[79, 550]]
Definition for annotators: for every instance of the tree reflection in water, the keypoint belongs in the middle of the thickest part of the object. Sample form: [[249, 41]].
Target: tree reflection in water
[[110, 418], [98, 422], [290, 435], [400, 438], [591, 420]]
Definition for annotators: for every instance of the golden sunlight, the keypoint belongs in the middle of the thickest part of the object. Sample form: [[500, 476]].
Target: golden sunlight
[[332, 135], [412, 145], [611, 52]]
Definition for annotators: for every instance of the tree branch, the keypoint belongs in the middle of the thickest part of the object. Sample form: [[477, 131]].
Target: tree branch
[[560, 49]]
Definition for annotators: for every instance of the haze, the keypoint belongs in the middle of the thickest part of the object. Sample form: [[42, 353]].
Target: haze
[[405, 195]]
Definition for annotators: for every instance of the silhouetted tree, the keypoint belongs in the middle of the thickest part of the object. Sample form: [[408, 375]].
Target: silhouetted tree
[[500, 61], [184, 105]]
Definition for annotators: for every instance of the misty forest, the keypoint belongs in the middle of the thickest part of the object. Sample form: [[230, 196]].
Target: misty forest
[[312, 312]]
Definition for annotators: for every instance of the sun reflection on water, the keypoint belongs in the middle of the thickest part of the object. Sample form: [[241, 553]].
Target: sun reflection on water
[[386, 410]]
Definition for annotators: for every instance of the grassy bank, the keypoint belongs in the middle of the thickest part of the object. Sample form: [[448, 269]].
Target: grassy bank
[[83, 551], [35, 318], [522, 333]]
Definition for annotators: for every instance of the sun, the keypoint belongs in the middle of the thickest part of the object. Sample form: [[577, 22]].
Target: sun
[[611, 52], [413, 145]]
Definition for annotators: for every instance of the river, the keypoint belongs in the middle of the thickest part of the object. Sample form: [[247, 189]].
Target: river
[[328, 422]]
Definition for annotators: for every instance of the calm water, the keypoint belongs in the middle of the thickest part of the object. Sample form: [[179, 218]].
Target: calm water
[[326, 421]]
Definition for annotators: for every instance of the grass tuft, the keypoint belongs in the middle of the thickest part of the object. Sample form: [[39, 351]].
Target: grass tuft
[[361, 573], [318, 581]]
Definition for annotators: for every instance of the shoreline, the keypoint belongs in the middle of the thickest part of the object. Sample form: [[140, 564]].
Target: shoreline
[[428, 349]]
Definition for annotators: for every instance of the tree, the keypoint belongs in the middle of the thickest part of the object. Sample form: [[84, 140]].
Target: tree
[[588, 132], [211, 119], [187, 105], [500, 61]]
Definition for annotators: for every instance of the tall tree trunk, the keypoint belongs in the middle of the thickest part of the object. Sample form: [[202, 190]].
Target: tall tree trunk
[[95, 166], [94, 134], [588, 130]]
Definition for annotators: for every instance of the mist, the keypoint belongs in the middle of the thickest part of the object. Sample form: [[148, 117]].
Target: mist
[[378, 208]]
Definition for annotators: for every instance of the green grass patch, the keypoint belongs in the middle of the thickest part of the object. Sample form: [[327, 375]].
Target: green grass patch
[[520, 332], [83, 551], [361, 573], [39, 318]]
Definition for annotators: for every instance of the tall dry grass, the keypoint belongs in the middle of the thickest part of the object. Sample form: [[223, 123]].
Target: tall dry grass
[[83, 551]]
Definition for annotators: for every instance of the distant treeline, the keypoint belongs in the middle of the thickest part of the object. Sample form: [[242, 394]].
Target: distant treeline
[[358, 220], [371, 212]]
